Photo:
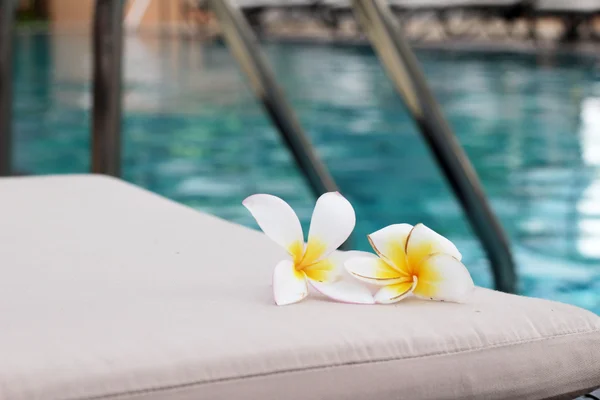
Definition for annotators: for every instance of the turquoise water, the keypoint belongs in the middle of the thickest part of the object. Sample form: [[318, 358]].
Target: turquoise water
[[194, 133]]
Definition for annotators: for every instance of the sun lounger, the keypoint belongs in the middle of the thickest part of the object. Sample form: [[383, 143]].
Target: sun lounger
[[110, 292]]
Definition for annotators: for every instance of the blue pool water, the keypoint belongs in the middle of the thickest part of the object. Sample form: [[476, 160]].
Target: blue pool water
[[194, 133]]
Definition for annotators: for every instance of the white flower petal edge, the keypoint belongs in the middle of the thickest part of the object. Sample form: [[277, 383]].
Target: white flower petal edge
[[395, 293], [374, 270], [423, 241], [278, 221], [444, 278], [331, 224], [390, 244], [345, 292], [289, 284], [344, 289]]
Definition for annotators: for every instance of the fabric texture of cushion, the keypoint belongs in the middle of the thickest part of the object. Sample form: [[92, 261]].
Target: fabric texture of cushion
[[108, 291]]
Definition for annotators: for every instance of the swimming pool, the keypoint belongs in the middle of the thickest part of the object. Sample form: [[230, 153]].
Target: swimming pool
[[194, 133]]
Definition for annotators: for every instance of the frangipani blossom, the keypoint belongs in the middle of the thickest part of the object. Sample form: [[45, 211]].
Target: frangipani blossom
[[332, 222], [412, 260]]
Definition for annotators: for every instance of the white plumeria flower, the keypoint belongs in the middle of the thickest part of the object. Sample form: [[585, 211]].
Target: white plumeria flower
[[332, 222], [412, 260]]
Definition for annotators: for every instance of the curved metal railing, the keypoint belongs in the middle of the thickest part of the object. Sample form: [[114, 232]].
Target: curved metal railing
[[403, 69], [244, 46]]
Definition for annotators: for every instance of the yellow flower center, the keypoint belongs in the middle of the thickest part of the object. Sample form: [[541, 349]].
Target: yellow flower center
[[296, 249], [305, 257], [309, 260]]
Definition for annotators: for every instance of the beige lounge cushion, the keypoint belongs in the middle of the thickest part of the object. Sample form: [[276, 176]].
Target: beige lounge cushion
[[110, 292]]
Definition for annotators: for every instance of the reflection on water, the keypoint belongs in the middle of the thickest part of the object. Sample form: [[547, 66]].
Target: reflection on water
[[194, 133]]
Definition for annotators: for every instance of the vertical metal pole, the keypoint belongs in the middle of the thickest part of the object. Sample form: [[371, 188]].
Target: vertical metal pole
[[106, 119], [244, 46], [7, 17], [405, 72]]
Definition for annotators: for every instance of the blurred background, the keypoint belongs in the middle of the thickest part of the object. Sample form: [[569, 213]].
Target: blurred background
[[518, 81]]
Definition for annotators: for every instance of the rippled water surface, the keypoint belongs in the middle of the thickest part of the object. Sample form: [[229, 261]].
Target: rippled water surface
[[193, 132]]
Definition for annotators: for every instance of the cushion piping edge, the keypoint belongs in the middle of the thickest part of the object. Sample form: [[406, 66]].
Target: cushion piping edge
[[165, 388]]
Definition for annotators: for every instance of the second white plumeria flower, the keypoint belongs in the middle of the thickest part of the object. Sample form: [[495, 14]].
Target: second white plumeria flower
[[332, 223], [413, 260]]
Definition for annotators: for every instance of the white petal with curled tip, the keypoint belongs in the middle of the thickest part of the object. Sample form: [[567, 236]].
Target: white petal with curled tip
[[423, 242], [390, 244], [332, 223], [345, 292], [374, 270], [289, 284], [443, 277], [278, 221]]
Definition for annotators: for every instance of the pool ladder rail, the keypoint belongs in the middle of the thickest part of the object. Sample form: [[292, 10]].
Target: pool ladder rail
[[376, 20]]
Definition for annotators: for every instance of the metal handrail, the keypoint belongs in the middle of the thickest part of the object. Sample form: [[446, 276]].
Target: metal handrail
[[107, 79], [403, 69], [7, 17], [244, 46]]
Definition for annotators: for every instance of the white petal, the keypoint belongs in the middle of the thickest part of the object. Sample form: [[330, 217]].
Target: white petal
[[375, 271], [339, 257], [390, 244], [332, 223], [344, 291], [443, 277], [423, 242], [331, 268], [289, 284], [394, 293], [278, 221], [325, 270]]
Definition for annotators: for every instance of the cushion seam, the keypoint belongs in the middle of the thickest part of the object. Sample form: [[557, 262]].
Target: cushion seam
[[320, 367]]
